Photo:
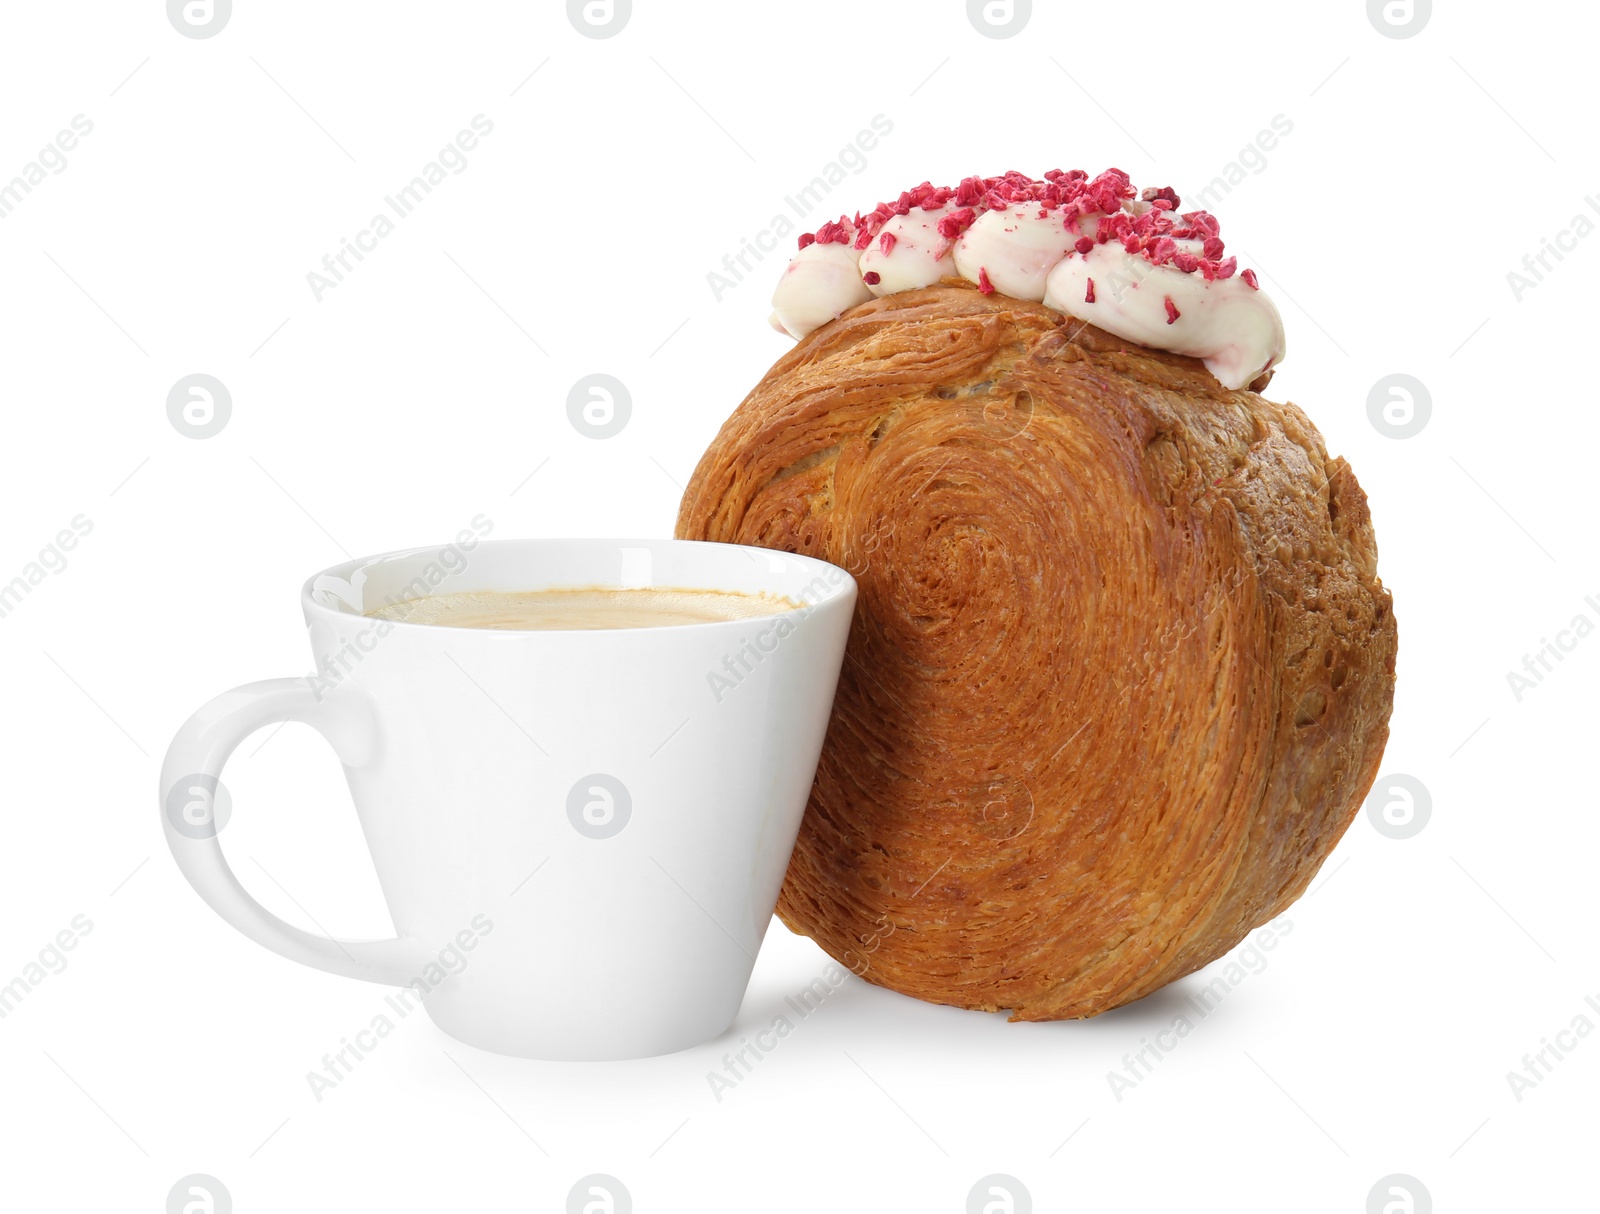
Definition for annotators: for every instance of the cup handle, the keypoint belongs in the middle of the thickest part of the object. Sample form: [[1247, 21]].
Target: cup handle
[[189, 779]]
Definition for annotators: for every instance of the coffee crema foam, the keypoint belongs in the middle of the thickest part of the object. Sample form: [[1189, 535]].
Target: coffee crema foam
[[581, 608]]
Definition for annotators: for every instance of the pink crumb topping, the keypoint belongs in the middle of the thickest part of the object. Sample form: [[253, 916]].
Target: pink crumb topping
[[984, 284], [1146, 223], [957, 222], [837, 232]]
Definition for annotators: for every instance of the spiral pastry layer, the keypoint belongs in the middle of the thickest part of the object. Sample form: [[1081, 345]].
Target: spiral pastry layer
[[1122, 666]]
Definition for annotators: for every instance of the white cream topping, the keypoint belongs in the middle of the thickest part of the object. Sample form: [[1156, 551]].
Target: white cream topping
[[1232, 327], [918, 255], [1228, 324], [819, 283], [1016, 247]]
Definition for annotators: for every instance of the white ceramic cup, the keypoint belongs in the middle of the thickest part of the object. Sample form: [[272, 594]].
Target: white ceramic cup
[[580, 835]]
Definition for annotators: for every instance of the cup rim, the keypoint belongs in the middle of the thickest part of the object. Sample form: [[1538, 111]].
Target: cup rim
[[843, 590]]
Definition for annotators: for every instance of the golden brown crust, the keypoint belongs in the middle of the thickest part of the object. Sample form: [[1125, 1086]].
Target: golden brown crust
[[1121, 668]]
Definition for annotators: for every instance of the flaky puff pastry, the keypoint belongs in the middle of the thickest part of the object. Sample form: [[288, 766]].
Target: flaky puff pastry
[[1121, 668]]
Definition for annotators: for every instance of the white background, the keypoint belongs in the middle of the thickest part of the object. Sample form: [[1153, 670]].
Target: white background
[[431, 384]]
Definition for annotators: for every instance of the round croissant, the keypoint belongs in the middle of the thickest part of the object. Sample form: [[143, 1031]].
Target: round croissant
[[1122, 665]]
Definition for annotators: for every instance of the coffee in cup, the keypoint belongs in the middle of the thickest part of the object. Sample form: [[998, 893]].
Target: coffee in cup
[[590, 607]]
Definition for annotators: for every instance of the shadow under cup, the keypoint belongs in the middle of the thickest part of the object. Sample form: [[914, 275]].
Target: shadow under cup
[[580, 835]]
